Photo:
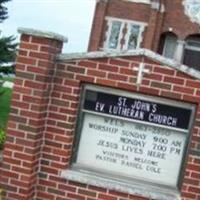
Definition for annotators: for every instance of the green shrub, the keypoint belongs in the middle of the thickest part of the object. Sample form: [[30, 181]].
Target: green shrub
[[2, 138]]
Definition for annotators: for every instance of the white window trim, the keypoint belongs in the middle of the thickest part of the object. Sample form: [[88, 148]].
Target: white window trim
[[140, 1], [124, 22]]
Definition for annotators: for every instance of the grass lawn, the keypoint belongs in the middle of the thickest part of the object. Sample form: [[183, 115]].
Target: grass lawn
[[5, 97], [11, 79]]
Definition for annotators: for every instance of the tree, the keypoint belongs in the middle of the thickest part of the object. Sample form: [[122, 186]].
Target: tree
[[7, 45], [7, 49], [3, 10]]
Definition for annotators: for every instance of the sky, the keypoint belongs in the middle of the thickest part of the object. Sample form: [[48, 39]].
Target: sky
[[71, 18]]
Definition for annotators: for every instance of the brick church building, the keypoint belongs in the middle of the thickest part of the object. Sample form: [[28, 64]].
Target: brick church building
[[168, 27], [119, 122]]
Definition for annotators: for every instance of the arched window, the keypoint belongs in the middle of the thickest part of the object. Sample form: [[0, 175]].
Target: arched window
[[191, 55], [168, 45]]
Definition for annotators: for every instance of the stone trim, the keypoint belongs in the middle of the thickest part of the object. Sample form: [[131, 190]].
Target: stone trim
[[139, 1], [44, 34], [138, 189], [139, 52]]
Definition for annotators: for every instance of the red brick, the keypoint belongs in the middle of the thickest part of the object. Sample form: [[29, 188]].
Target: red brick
[[88, 64], [185, 90], [192, 167], [22, 53], [148, 90], [172, 95], [132, 197], [195, 190], [109, 68], [126, 86], [75, 196], [191, 98], [164, 71], [106, 82], [34, 85], [118, 194], [19, 183], [45, 63], [16, 133], [37, 70], [26, 60], [96, 73], [19, 104], [49, 49], [45, 196], [161, 85], [174, 80], [40, 40], [117, 77], [87, 79], [127, 71], [14, 175], [70, 83], [49, 170], [118, 62], [25, 38], [76, 69], [188, 195], [193, 83], [106, 197], [39, 55], [191, 181], [11, 161], [98, 189], [28, 46], [67, 188], [195, 175], [77, 184], [87, 193]]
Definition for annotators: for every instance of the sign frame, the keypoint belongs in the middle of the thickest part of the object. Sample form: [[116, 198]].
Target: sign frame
[[108, 174]]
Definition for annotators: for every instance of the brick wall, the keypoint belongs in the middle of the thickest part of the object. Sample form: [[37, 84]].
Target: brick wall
[[26, 126], [44, 108], [177, 20], [173, 19]]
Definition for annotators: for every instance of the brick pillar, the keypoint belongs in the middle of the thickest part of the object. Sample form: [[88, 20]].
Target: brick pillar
[[26, 126], [154, 26], [97, 25]]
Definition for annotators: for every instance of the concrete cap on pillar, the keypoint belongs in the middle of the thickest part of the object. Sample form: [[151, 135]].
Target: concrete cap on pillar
[[45, 34]]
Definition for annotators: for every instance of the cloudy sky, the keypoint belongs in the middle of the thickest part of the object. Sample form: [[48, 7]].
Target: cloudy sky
[[71, 18]]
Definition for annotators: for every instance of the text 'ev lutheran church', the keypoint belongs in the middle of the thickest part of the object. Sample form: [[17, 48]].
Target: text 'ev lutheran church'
[[119, 122]]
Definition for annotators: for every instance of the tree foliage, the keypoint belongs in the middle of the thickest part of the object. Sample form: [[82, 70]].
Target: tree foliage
[[7, 44], [7, 49], [3, 10]]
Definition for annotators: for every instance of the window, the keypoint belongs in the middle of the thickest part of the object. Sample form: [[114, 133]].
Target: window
[[114, 35], [192, 52], [170, 46], [133, 36], [123, 34]]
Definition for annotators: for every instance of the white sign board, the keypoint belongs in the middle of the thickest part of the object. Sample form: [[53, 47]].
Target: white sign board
[[131, 149]]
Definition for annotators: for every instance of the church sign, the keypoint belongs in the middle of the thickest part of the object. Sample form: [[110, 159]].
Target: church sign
[[132, 136]]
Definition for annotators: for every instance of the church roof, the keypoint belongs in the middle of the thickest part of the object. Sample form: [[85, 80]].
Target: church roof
[[139, 52]]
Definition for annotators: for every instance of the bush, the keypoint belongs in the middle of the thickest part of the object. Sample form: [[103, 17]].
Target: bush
[[2, 138]]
